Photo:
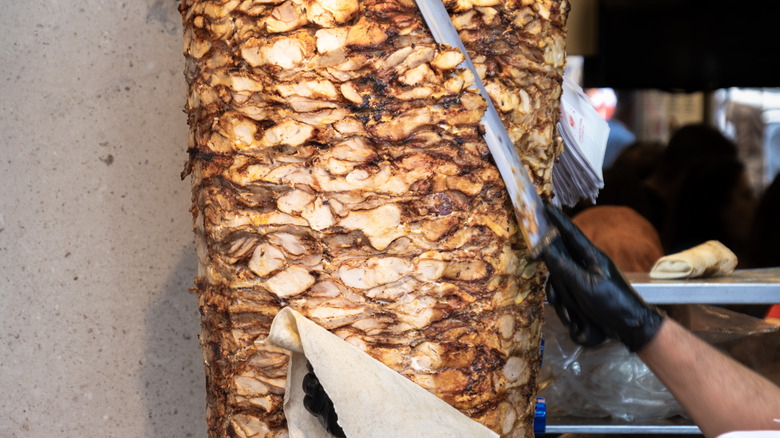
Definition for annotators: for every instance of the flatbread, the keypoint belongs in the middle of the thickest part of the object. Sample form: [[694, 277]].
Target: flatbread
[[371, 400], [710, 259]]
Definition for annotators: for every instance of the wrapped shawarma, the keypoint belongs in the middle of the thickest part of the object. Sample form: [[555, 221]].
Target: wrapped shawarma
[[338, 169], [710, 259]]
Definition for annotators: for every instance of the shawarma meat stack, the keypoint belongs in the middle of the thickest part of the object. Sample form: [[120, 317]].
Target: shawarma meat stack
[[338, 168]]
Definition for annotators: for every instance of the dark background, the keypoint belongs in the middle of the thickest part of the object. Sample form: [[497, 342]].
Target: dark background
[[686, 45]]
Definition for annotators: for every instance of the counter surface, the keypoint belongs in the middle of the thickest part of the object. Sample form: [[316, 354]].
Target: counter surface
[[748, 286]]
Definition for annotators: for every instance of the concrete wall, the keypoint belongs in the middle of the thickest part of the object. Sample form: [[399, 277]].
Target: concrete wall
[[98, 330]]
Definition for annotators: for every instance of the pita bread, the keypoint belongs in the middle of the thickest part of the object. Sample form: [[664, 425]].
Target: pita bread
[[371, 400]]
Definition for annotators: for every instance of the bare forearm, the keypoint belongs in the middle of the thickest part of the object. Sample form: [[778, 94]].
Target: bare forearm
[[720, 394]]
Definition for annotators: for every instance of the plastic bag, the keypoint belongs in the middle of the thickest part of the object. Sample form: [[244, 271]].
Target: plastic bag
[[609, 381], [606, 381]]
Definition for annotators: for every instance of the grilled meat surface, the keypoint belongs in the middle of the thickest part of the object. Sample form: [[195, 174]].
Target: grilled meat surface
[[337, 167]]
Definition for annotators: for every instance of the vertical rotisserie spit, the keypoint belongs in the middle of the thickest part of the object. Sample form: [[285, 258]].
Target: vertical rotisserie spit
[[337, 167]]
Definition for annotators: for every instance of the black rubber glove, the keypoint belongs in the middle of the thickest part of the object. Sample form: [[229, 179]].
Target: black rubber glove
[[590, 294], [317, 402]]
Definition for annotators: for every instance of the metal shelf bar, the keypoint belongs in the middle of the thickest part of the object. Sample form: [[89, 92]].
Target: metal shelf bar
[[624, 429], [566, 424], [746, 286]]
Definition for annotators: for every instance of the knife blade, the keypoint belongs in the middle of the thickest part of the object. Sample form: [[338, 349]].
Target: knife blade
[[536, 229]]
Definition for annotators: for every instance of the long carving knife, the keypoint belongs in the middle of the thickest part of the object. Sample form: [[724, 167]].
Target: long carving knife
[[528, 207]]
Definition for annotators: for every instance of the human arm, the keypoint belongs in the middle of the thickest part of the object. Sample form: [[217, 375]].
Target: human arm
[[593, 299], [720, 394]]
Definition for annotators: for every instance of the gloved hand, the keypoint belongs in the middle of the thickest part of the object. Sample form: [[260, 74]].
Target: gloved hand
[[317, 402], [589, 293]]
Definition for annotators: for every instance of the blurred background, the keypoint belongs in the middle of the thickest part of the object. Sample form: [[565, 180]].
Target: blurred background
[[690, 93], [98, 328]]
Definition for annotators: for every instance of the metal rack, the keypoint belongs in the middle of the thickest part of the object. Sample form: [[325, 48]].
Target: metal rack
[[749, 286], [746, 286], [680, 426]]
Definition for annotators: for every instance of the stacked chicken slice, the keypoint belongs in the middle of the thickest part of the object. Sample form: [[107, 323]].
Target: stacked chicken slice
[[338, 168]]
